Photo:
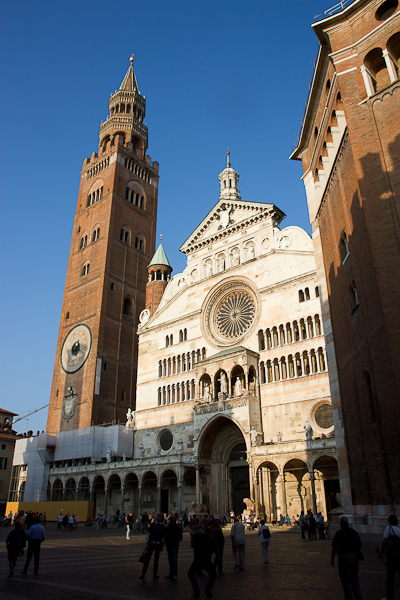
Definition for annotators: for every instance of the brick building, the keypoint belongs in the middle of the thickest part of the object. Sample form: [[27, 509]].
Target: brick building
[[350, 150], [113, 241], [8, 437]]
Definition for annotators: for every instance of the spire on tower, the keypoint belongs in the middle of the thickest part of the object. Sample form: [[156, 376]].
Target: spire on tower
[[129, 83], [229, 180], [228, 154]]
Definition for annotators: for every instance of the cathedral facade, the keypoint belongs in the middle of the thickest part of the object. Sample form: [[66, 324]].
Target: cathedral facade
[[232, 397]]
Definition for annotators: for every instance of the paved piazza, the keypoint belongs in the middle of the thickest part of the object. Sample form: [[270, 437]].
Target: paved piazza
[[101, 565]]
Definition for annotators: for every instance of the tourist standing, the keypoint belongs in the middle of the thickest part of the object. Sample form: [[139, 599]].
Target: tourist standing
[[15, 542], [238, 543], [391, 547], [59, 521], [219, 539], [203, 547], [321, 526], [36, 535], [346, 544], [154, 543], [265, 536], [302, 525], [172, 537]]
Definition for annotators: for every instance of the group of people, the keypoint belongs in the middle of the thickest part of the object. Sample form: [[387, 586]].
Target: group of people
[[207, 541], [26, 518], [16, 543], [68, 521], [308, 523]]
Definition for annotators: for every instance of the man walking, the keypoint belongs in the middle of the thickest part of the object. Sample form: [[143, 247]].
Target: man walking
[[203, 546], [36, 535], [265, 536], [154, 543], [172, 537], [346, 544], [238, 543], [391, 547]]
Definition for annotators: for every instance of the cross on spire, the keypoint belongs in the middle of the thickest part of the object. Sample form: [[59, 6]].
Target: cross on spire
[[228, 154]]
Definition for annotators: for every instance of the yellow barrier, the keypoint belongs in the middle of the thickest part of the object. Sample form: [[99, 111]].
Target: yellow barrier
[[84, 510]]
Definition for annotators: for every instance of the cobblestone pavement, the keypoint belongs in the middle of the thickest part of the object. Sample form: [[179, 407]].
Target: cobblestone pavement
[[102, 565]]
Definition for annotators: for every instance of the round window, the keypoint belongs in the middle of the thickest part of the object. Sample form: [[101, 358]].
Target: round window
[[166, 440], [323, 416], [230, 313]]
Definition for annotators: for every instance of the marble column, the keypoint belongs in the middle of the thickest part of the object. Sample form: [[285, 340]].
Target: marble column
[[139, 499], [122, 497], [314, 498], [283, 494], [105, 499], [158, 497], [179, 497], [198, 484]]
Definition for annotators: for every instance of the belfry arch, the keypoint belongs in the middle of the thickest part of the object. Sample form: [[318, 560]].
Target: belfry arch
[[223, 478]]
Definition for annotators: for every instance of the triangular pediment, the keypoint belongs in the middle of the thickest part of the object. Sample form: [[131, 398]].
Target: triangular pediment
[[225, 218]]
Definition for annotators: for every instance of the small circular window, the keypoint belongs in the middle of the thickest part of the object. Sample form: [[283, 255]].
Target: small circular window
[[166, 440], [323, 416], [386, 10]]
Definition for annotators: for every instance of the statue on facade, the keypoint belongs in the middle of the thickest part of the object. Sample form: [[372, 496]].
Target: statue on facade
[[309, 430], [224, 384], [209, 269], [250, 252], [129, 417], [279, 437], [221, 264], [141, 451], [124, 455], [238, 387], [253, 436], [180, 446], [108, 454], [235, 257], [206, 393]]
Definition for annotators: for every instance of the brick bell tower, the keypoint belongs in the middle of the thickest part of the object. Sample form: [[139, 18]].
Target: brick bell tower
[[112, 243]]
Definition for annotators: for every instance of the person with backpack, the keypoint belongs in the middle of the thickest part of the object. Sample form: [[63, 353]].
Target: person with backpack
[[265, 536], [391, 547]]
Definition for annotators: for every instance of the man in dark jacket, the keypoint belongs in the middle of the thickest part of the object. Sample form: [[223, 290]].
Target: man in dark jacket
[[172, 537], [36, 535], [203, 546], [154, 543], [346, 544]]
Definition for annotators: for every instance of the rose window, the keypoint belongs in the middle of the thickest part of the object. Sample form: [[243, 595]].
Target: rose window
[[235, 315]]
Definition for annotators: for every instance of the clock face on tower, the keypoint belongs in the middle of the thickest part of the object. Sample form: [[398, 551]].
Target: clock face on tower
[[76, 348]]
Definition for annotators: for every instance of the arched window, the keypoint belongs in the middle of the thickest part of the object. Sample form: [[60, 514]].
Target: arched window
[[299, 370], [96, 234], [353, 296], [275, 337], [171, 339], [85, 270], [318, 330], [289, 335], [159, 368], [269, 371], [291, 365], [282, 334], [310, 327], [181, 335], [127, 310], [306, 363], [301, 296], [283, 367], [159, 397], [317, 292], [307, 293], [303, 329], [344, 247], [261, 341], [139, 242], [167, 341], [262, 371], [124, 235], [321, 359], [185, 335], [296, 331], [277, 375], [314, 365], [269, 339], [374, 71]]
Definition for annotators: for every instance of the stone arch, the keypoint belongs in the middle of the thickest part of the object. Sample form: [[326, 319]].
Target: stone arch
[[219, 384], [70, 490], [296, 490], [58, 489], [267, 476], [99, 496], [327, 483], [131, 493], [83, 489], [114, 495], [169, 501], [237, 372], [217, 441], [149, 491]]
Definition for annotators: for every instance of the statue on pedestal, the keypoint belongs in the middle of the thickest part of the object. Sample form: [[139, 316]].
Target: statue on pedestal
[[238, 387], [309, 430], [253, 436], [141, 451], [180, 446], [108, 454]]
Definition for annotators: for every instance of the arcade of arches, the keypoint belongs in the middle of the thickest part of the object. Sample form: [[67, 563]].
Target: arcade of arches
[[226, 472]]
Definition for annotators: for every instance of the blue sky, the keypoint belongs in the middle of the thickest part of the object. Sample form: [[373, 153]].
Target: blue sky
[[215, 74]]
